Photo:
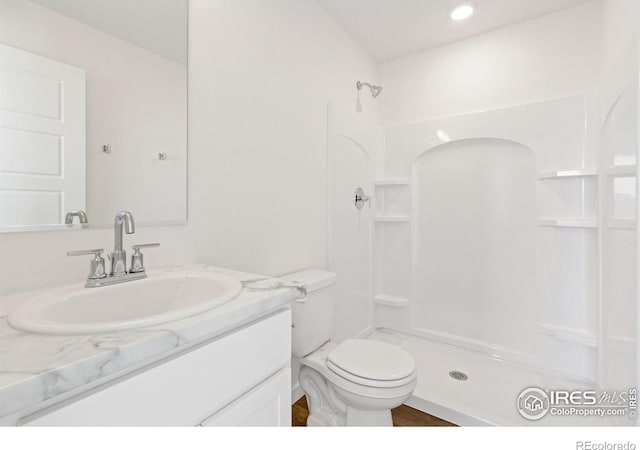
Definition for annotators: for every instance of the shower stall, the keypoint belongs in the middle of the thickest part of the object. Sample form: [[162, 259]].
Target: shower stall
[[500, 246]]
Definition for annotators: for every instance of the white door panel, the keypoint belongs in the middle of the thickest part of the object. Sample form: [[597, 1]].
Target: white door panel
[[42, 138]]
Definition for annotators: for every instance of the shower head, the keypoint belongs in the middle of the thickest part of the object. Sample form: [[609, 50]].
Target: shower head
[[375, 90]]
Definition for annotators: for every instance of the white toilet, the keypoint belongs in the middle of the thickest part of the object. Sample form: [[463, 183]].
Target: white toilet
[[355, 383]]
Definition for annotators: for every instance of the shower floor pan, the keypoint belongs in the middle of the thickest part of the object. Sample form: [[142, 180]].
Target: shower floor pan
[[488, 395]]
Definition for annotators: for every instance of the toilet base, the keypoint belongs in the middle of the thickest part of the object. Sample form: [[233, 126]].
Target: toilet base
[[364, 418], [354, 418], [327, 405], [325, 409]]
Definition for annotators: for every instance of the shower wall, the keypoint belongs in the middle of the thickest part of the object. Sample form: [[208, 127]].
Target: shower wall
[[474, 242], [617, 137], [352, 153], [505, 208], [497, 248], [503, 194], [553, 56]]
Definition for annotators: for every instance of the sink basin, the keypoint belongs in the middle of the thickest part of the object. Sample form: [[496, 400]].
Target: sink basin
[[136, 304]]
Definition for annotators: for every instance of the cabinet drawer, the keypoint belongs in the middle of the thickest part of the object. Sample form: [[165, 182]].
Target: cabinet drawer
[[186, 389], [266, 405]]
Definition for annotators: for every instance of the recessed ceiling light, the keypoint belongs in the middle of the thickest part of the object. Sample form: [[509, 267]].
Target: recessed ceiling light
[[462, 12]]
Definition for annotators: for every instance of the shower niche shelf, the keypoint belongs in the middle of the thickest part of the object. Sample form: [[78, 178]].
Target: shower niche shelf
[[393, 200], [626, 170], [392, 182], [392, 219], [567, 223], [570, 196], [622, 224], [391, 262], [560, 174], [390, 300]]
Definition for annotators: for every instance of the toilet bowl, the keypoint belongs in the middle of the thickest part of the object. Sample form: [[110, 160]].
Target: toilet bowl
[[353, 383], [351, 389]]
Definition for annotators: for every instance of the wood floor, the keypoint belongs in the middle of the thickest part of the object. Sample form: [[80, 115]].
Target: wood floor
[[403, 416]]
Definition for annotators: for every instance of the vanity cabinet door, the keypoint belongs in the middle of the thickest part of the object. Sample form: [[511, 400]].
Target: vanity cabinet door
[[266, 405]]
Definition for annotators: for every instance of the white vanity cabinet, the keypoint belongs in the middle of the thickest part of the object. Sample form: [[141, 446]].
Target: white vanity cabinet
[[242, 378], [268, 404]]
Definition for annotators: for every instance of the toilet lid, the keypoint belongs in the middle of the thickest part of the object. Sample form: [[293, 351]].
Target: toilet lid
[[372, 360]]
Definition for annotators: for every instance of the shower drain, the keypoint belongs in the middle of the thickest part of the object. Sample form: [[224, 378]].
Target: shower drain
[[460, 376]]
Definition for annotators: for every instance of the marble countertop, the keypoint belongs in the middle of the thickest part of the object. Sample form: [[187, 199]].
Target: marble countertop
[[37, 368]]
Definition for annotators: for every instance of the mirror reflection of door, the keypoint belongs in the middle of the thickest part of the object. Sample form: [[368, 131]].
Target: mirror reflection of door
[[112, 75], [42, 139]]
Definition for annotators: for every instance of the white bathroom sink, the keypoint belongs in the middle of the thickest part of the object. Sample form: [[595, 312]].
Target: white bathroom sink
[[136, 304]]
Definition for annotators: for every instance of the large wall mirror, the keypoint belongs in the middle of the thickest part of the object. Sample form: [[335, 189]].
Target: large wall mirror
[[93, 111]]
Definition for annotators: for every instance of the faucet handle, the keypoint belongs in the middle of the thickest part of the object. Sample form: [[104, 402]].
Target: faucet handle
[[96, 267], [137, 258], [137, 247], [96, 251]]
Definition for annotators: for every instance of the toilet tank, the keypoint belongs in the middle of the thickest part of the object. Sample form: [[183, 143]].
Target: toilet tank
[[313, 315]]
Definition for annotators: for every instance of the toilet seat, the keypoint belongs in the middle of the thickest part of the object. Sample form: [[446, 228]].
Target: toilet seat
[[371, 363], [372, 389], [367, 381]]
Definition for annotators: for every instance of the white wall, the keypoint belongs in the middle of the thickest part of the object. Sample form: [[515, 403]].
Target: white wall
[[552, 56], [619, 24], [136, 102], [261, 75]]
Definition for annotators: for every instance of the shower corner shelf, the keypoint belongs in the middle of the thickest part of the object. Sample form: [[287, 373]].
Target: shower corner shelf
[[392, 219], [560, 174], [390, 300], [628, 170], [568, 223], [392, 182], [622, 224]]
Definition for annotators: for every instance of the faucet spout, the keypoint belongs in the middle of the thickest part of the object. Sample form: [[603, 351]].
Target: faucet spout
[[123, 220]]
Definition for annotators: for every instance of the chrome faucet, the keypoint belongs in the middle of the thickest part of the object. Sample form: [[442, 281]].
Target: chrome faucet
[[97, 276], [118, 256], [80, 214]]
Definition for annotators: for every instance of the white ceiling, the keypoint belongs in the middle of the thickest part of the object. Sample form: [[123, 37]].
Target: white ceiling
[[159, 26], [388, 29]]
